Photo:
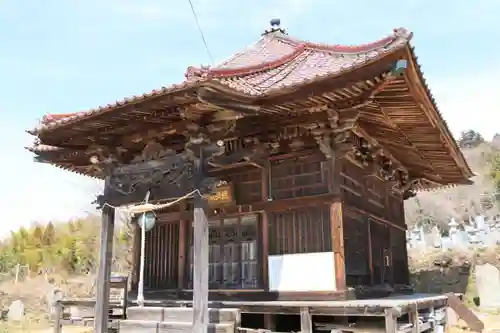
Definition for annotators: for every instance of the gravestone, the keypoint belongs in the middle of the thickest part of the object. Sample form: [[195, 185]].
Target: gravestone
[[16, 311], [488, 286]]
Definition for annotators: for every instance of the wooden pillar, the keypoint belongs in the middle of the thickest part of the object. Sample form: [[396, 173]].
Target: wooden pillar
[[265, 228], [414, 320], [305, 321], [136, 253], [336, 225], [58, 317], [334, 177], [183, 225], [370, 251], [390, 321], [104, 272], [200, 253], [269, 321]]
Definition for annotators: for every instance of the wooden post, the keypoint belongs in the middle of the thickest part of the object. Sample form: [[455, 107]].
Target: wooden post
[[390, 321], [104, 272], [337, 231], [269, 322], [183, 232], [136, 248], [57, 317], [305, 321], [200, 253], [18, 268], [265, 227], [413, 316]]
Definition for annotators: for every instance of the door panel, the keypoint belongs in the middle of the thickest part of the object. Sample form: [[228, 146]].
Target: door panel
[[233, 254], [162, 256], [381, 253]]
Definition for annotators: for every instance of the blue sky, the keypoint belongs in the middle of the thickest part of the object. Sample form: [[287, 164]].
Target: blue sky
[[65, 56]]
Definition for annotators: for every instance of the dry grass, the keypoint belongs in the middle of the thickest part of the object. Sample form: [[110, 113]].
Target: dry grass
[[33, 293]]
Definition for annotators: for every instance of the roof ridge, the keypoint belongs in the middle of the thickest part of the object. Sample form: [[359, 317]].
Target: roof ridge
[[399, 35]]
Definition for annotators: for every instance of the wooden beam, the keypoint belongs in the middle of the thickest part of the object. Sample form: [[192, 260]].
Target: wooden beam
[[275, 205], [104, 271], [424, 102], [337, 234], [376, 219], [361, 132]]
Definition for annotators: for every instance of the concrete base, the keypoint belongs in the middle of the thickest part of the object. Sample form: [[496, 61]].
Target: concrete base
[[176, 320], [141, 326]]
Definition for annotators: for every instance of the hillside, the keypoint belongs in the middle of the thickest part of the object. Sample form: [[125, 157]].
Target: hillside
[[437, 207]]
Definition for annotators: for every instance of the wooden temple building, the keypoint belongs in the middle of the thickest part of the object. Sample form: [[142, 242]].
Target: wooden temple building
[[321, 146]]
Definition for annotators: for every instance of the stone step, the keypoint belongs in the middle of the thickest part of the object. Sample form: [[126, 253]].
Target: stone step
[[181, 314], [150, 326]]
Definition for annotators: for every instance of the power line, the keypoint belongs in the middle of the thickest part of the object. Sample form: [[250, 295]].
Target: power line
[[201, 32]]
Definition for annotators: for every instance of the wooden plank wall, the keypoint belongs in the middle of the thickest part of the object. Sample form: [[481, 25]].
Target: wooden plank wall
[[374, 229], [300, 231], [162, 253], [283, 231]]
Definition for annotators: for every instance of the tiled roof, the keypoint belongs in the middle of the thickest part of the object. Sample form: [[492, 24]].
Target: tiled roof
[[276, 61]]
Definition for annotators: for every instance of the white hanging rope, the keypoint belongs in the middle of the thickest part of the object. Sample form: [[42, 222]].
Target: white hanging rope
[[148, 207]]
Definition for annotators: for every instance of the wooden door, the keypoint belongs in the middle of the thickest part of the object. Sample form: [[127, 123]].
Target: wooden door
[[162, 256], [233, 254], [381, 253]]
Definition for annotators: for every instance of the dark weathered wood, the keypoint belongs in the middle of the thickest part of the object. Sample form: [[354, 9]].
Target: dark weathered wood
[[183, 232], [305, 321], [104, 270], [265, 227], [292, 232]]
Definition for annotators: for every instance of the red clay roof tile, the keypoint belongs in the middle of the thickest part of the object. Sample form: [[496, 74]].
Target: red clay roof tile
[[276, 61]]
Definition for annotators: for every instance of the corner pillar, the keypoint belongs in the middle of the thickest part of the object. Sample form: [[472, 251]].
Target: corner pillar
[[104, 270]]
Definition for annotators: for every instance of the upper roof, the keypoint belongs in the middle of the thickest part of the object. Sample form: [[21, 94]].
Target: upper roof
[[275, 62], [403, 116]]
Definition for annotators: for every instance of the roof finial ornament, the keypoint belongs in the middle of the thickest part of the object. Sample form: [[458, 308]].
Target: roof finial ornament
[[275, 27]]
